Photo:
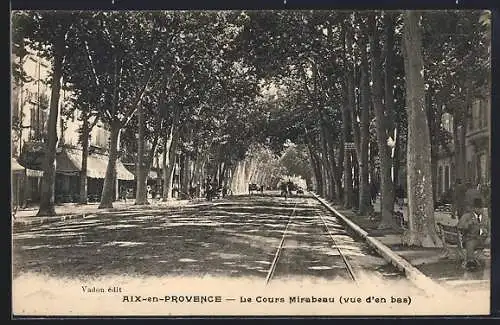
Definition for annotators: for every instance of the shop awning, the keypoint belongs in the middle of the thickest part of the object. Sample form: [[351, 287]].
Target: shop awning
[[15, 167], [34, 173], [65, 164], [70, 162], [153, 174], [131, 168], [33, 154]]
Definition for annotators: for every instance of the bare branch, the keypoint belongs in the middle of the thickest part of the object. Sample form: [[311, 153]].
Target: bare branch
[[94, 123], [91, 65]]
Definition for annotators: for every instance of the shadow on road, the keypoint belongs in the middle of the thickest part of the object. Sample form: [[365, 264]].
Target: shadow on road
[[237, 236]]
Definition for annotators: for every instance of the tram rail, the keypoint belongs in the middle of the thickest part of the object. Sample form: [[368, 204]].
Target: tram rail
[[272, 270]]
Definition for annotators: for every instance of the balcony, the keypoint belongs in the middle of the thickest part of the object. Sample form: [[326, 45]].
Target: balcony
[[479, 134]]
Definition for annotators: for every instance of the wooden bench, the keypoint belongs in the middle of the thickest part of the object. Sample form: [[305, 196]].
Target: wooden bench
[[453, 241], [450, 234]]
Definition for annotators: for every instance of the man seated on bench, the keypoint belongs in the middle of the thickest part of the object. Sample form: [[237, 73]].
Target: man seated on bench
[[475, 229]]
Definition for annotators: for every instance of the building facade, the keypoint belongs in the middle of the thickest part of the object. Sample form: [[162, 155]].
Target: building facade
[[29, 115], [445, 162], [477, 148], [478, 138]]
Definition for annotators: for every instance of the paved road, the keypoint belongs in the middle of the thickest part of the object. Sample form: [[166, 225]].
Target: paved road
[[231, 237]]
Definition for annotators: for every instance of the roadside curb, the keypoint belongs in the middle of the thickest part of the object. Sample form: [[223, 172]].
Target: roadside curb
[[419, 279], [31, 221], [26, 222]]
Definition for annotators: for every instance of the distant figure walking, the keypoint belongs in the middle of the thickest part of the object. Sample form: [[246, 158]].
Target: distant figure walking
[[208, 188], [123, 194], [285, 190], [399, 195]]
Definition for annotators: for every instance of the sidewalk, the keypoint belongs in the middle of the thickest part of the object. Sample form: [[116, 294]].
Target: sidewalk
[[440, 264], [26, 217]]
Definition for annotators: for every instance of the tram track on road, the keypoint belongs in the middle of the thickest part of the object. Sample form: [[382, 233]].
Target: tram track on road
[[281, 247], [274, 263]]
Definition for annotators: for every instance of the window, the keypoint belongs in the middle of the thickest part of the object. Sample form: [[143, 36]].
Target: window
[[470, 170], [447, 122], [452, 173], [440, 180], [446, 178], [484, 114], [43, 121], [473, 171], [98, 137], [475, 115], [33, 117], [483, 168]]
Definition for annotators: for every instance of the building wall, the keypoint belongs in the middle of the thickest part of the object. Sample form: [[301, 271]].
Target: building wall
[[478, 154], [30, 109], [30, 103], [445, 172], [99, 136]]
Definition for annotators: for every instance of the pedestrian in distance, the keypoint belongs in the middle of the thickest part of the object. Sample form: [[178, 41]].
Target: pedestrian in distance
[[474, 227], [285, 190], [208, 188], [400, 194], [153, 193], [123, 194]]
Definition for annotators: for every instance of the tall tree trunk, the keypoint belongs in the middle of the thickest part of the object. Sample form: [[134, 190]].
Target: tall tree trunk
[[386, 186], [334, 197], [462, 119], [317, 174], [150, 158], [140, 168], [456, 145], [108, 191], [316, 168], [355, 180], [336, 184], [340, 168], [434, 131], [422, 227], [170, 147], [390, 111], [222, 181], [164, 166], [396, 160], [85, 156], [348, 180], [330, 185], [324, 177], [347, 191], [364, 187], [185, 161], [158, 175], [202, 161], [390, 108], [49, 167]]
